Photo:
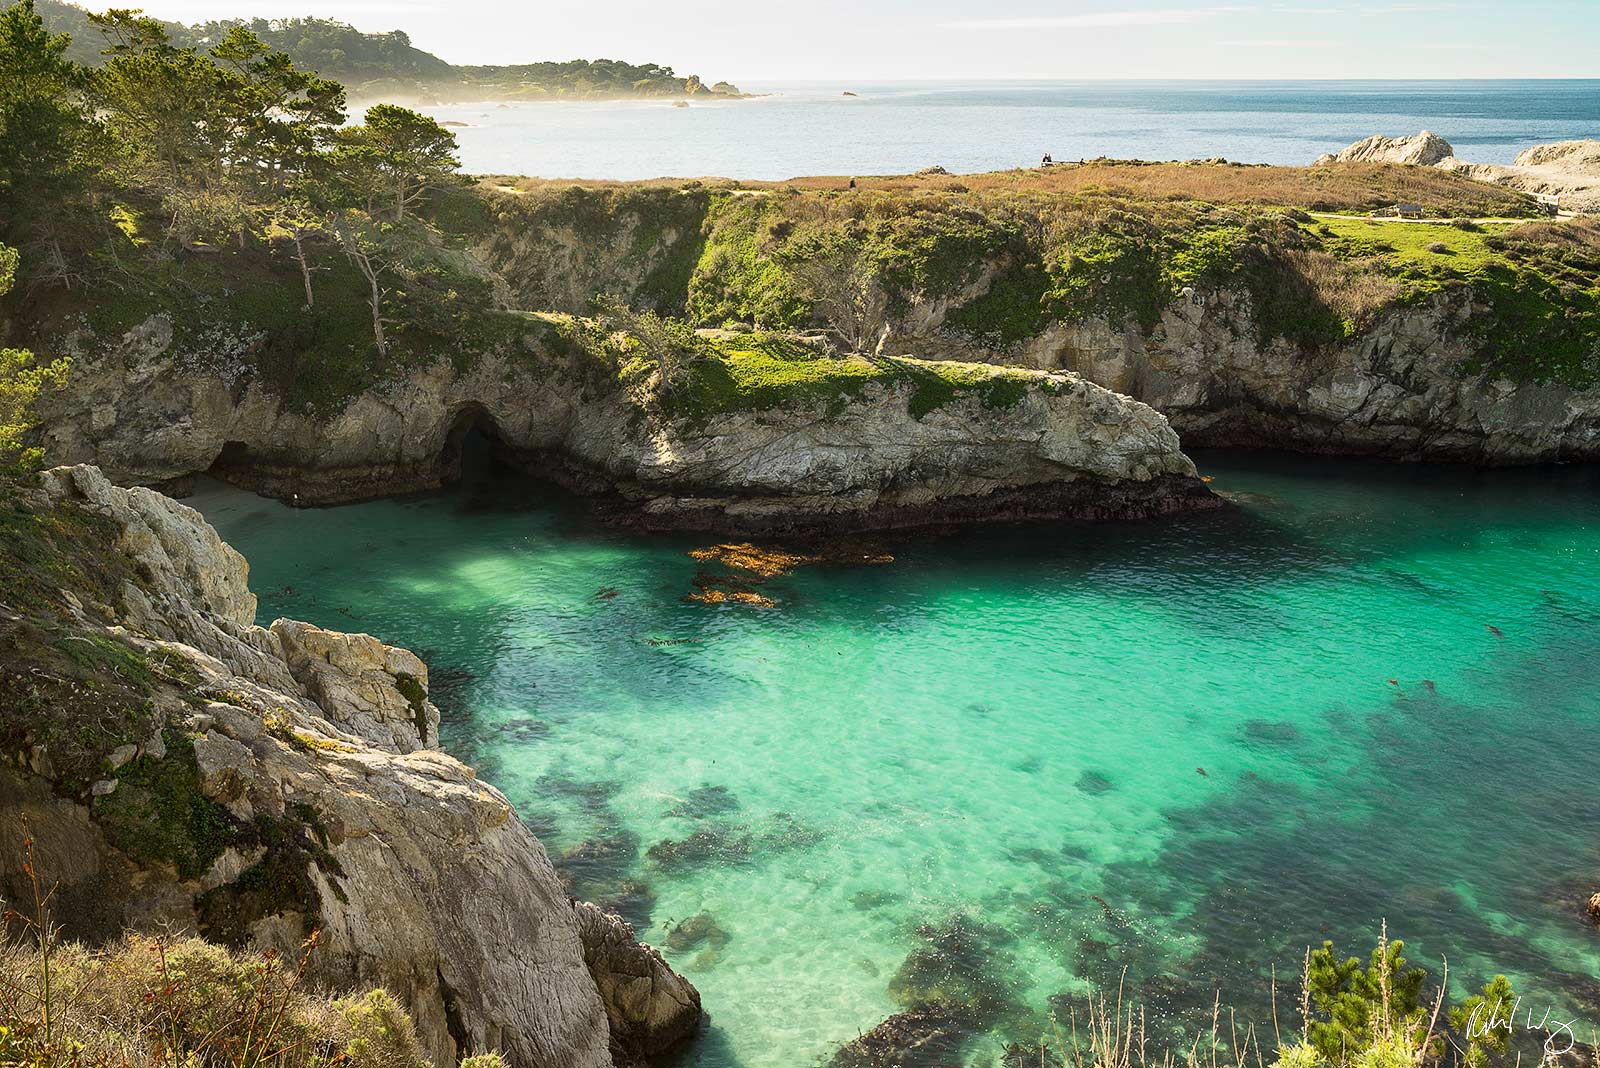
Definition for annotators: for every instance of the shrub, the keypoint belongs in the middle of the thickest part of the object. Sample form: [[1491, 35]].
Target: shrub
[[156, 999]]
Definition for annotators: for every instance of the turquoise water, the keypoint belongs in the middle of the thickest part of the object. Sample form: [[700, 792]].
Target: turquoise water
[[899, 127], [1031, 758]]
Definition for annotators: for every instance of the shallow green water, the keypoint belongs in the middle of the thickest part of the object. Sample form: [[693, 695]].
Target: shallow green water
[[1038, 755]]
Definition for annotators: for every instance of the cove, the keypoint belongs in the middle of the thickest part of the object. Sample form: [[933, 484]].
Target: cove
[[1015, 761]]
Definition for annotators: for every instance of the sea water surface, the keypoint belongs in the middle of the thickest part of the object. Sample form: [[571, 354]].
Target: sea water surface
[[1017, 761], [896, 128]]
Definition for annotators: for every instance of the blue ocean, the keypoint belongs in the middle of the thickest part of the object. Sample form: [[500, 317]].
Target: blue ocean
[[895, 128]]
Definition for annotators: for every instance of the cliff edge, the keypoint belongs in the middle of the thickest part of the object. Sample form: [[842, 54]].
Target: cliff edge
[[177, 764]]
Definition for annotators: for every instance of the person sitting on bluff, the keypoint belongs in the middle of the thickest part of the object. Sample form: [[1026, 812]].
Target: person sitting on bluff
[[1047, 160]]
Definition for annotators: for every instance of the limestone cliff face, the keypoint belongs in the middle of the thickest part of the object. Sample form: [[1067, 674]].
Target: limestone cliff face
[[284, 778], [1396, 391], [1062, 447]]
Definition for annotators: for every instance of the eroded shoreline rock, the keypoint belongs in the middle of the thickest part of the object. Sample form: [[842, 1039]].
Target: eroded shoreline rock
[[1064, 447], [281, 780]]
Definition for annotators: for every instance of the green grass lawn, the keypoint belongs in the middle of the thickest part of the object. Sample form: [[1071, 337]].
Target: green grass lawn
[[758, 372]]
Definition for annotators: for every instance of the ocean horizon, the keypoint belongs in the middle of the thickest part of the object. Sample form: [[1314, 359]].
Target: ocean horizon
[[794, 129]]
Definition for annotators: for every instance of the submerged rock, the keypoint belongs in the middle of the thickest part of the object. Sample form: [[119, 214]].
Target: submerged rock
[[705, 801], [920, 1038], [696, 929]]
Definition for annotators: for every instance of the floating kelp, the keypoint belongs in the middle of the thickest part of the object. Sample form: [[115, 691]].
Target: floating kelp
[[755, 564], [762, 562], [727, 590]]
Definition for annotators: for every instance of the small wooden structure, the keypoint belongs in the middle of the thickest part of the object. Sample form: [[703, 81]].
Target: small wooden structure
[[1408, 211], [1549, 203]]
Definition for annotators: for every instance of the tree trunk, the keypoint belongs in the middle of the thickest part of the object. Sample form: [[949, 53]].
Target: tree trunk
[[305, 268]]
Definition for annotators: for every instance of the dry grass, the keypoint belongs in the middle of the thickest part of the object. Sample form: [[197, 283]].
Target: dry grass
[[1354, 187], [163, 1001], [1356, 292]]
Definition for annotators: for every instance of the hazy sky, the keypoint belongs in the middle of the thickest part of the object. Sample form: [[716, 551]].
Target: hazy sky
[[757, 40]]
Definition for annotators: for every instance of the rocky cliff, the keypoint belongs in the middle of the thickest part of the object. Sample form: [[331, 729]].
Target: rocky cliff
[[177, 764], [837, 444], [1241, 323], [1396, 390]]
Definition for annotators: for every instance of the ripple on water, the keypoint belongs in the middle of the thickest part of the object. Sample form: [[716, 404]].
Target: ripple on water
[[1014, 762]]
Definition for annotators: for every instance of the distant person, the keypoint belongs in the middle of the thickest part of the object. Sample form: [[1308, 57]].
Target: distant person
[[1047, 160], [852, 183]]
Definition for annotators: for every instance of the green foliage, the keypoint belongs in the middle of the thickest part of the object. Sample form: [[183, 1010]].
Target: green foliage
[[21, 382], [160, 1000], [1009, 312], [381, 1034], [159, 813], [1355, 1005], [758, 372], [1299, 1055], [739, 276], [483, 1060], [47, 138], [1482, 1020], [389, 163], [1110, 273], [416, 696], [390, 66]]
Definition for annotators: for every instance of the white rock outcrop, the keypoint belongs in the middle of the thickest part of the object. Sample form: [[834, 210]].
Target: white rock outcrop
[[1424, 150], [339, 815]]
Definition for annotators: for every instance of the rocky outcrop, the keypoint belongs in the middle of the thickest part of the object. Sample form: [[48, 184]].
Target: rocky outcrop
[[1424, 150], [1569, 171], [279, 780], [1060, 446], [651, 1007], [1397, 390], [1566, 170]]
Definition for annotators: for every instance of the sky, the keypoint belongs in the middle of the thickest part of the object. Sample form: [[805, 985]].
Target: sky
[[872, 40]]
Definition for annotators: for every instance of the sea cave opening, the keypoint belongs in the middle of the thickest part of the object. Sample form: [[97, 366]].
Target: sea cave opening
[[474, 449]]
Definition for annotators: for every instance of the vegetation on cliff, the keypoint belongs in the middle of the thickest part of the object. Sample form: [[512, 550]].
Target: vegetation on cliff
[[282, 249], [221, 190], [1002, 257], [158, 999], [388, 66]]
